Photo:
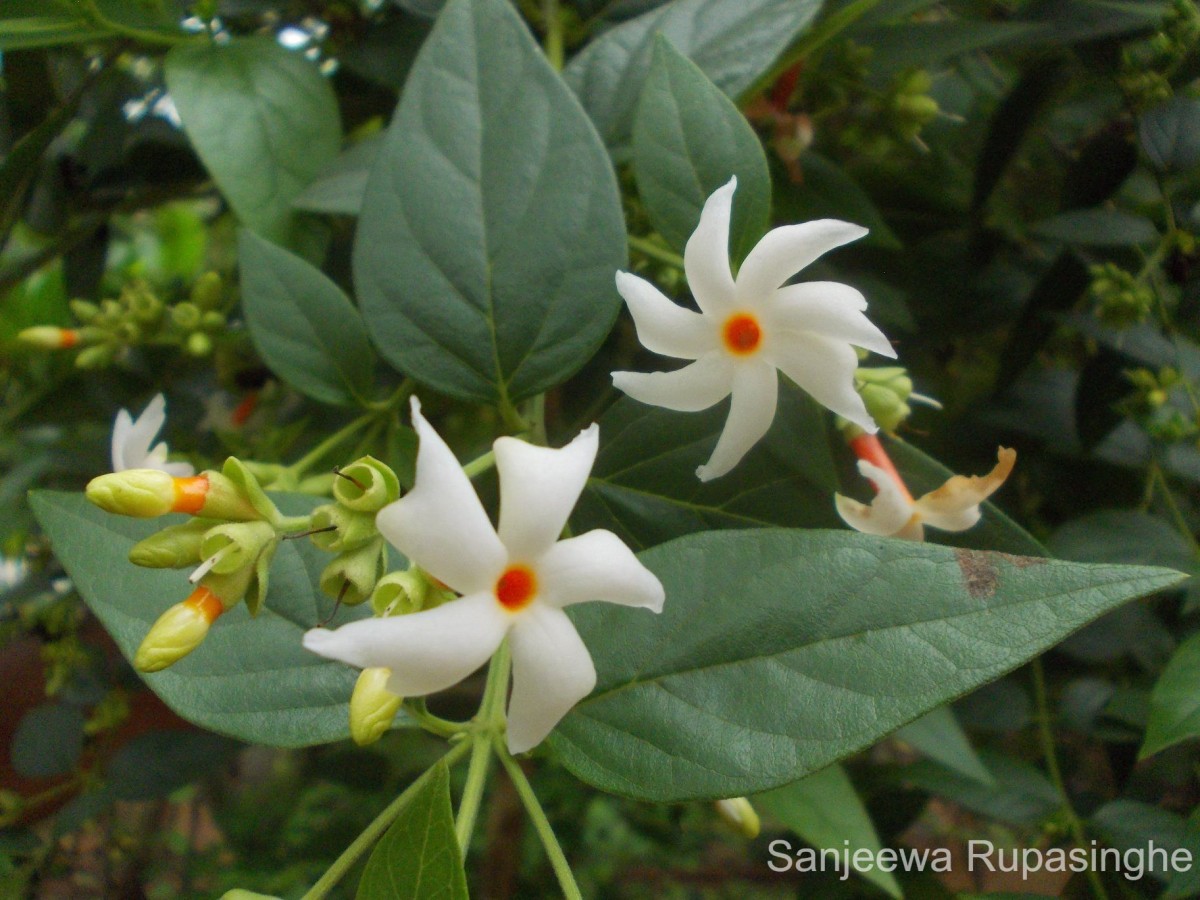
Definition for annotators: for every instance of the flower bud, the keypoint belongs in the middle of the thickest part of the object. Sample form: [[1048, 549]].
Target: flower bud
[[49, 337], [95, 357], [146, 493], [235, 545], [84, 310], [175, 547], [144, 305], [178, 631], [128, 332], [186, 315], [738, 813], [351, 576], [885, 392], [206, 292], [198, 344], [213, 321], [372, 706], [400, 593], [366, 485]]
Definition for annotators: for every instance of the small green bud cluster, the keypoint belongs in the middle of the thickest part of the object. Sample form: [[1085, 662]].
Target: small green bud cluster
[[1147, 66], [1150, 406], [347, 527], [885, 392], [138, 316], [1120, 299]]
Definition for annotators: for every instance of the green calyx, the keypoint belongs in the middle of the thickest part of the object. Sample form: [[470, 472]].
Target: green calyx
[[351, 576], [366, 485], [175, 547]]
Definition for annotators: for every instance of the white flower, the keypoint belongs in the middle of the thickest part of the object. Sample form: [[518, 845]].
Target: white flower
[[513, 583], [749, 327], [132, 438], [952, 507]]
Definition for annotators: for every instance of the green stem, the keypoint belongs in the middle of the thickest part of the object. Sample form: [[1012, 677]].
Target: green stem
[[304, 463], [488, 720], [558, 860], [402, 393], [480, 464], [1181, 523], [554, 34], [375, 830], [415, 708], [1046, 733], [652, 250]]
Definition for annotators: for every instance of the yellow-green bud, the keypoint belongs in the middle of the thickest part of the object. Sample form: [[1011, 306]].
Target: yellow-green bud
[[352, 529], [178, 631], [198, 344], [206, 292], [128, 331], [84, 310], [351, 576], [885, 392], [212, 321], [739, 814], [175, 547], [144, 305], [366, 485], [49, 337], [146, 493], [400, 593], [372, 706], [95, 357], [186, 315]]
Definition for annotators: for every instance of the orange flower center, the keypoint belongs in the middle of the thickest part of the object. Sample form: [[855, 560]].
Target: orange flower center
[[206, 603], [742, 334], [190, 494], [516, 588]]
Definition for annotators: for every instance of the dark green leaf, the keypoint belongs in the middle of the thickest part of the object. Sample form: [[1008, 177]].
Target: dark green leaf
[[688, 139], [1102, 385], [829, 192], [263, 120], [1170, 134], [250, 679], [419, 856], [644, 485], [779, 652], [22, 161], [492, 228], [48, 741], [1019, 794], [1187, 883], [23, 32], [1123, 536], [303, 326], [939, 736], [1097, 227], [154, 764], [1175, 703], [1057, 289], [732, 43], [928, 44], [1104, 162], [341, 186], [1130, 825], [825, 810]]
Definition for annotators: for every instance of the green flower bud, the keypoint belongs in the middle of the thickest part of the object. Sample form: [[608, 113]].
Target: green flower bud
[[400, 593], [366, 485], [84, 310], [213, 321], [186, 316], [178, 631], [352, 529], [372, 706], [143, 305], [351, 576], [207, 291], [128, 332], [198, 344], [175, 547], [49, 337], [233, 546], [146, 493], [95, 357], [248, 486], [885, 392], [740, 814]]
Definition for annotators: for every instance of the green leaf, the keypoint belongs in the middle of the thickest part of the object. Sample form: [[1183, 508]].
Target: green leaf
[[996, 531], [688, 139], [1130, 825], [1097, 227], [263, 120], [48, 741], [939, 736], [780, 652], [1175, 703], [1019, 793], [492, 228], [825, 810], [644, 485], [20, 163], [829, 192], [1123, 536], [24, 28], [1187, 883], [306, 330], [1170, 134], [732, 43], [419, 855], [915, 44], [339, 189], [250, 679]]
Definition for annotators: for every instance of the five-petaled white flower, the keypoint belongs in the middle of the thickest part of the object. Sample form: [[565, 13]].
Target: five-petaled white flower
[[749, 327], [131, 440], [513, 583], [952, 507]]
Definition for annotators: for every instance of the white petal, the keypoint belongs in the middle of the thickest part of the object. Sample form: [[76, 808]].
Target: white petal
[[825, 368], [177, 469], [597, 566], [751, 411], [695, 387], [706, 256], [785, 251], [552, 671], [889, 512], [829, 309], [121, 428], [145, 429], [440, 524], [426, 651], [662, 326], [539, 487], [955, 505]]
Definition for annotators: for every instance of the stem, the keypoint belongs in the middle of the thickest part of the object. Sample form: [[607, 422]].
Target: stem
[[553, 44], [558, 860], [374, 831], [652, 250], [402, 393], [480, 464], [300, 466], [98, 19], [1156, 473], [487, 721], [1046, 733], [416, 710]]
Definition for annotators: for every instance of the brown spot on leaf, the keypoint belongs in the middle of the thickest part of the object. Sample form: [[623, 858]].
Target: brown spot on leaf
[[1021, 562], [979, 572]]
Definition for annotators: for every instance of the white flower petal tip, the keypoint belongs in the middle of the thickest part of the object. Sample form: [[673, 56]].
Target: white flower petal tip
[[598, 566], [132, 441]]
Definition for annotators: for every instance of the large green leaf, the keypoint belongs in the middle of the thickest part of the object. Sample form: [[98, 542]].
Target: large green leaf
[[263, 120], [939, 736], [419, 856], [1170, 134], [644, 485], [1187, 883], [733, 43], [780, 652], [825, 810], [1132, 825], [304, 327], [492, 226], [1019, 793], [688, 139], [250, 679], [341, 186], [1175, 703]]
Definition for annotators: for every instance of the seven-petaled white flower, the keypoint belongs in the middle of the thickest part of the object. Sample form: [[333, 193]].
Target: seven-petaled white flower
[[749, 327], [132, 438], [513, 583], [952, 507]]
